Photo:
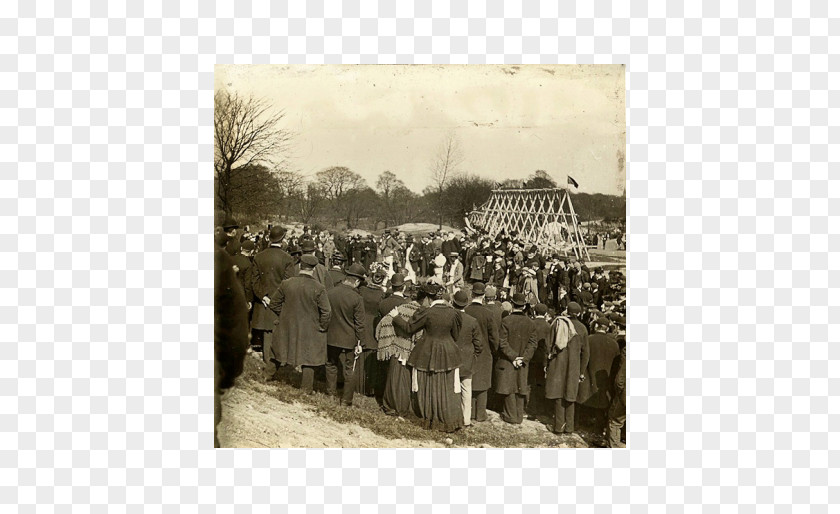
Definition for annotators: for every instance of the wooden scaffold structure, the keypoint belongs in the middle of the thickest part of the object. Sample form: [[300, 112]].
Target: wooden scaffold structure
[[544, 217]]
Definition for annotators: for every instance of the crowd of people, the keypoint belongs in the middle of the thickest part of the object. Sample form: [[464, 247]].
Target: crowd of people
[[442, 327], [599, 239]]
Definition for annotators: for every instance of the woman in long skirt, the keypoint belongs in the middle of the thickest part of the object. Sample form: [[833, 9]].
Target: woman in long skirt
[[434, 362], [395, 347]]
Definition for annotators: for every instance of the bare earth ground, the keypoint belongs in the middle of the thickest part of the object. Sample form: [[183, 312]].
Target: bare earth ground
[[275, 414], [253, 419]]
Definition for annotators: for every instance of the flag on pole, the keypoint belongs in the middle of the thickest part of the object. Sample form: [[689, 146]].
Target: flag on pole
[[572, 181]]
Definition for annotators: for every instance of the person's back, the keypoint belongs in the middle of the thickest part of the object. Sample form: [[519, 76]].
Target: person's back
[[230, 329], [304, 315], [468, 343], [517, 330], [603, 351], [371, 297], [347, 320]]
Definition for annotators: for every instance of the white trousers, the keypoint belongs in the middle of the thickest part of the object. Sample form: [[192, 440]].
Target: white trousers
[[466, 399]]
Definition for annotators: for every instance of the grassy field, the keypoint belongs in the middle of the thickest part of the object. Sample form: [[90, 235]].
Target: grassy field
[[366, 413]]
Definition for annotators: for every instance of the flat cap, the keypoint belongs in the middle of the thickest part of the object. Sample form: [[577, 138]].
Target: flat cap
[[309, 260]]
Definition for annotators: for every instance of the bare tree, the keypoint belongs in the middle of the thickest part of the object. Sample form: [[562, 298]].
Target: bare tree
[[247, 133], [309, 200], [387, 185], [337, 183], [443, 166]]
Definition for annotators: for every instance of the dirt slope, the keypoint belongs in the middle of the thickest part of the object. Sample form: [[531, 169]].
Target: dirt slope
[[253, 419]]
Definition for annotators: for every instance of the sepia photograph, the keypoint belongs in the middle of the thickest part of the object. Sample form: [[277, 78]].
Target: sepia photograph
[[420, 256]]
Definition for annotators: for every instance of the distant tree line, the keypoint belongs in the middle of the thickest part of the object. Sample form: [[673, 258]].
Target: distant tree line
[[254, 183]]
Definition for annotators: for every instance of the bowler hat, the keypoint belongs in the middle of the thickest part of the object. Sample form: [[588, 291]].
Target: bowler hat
[[460, 299], [478, 288], [277, 234], [519, 300], [307, 245], [294, 249], [541, 309], [356, 270], [338, 256], [398, 279], [247, 245], [573, 308], [603, 321]]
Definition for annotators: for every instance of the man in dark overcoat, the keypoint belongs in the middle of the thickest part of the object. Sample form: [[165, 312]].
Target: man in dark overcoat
[[230, 227], [319, 273], [373, 380], [471, 347], [491, 303], [346, 333], [535, 402], [483, 366], [428, 256], [396, 298], [565, 371], [300, 334], [336, 272], [358, 249], [594, 391], [242, 264], [517, 343], [271, 267], [618, 408], [230, 330]]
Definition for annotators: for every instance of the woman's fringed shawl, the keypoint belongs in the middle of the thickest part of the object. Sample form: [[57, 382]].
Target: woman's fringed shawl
[[392, 344]]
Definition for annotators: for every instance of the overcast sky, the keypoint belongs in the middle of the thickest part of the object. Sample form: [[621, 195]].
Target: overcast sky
[[510, 120]]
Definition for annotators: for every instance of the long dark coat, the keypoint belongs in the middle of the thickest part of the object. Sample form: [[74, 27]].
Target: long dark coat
[[271, 267], [336, 276], [230, 329], [496, 309], [618, 408], [371, 296], [347, 321], [488, 334], [244, 264], [537, 364], [518, 338], [231, 322], [300, 335], [594, 391], [564, 369], [469, 342]]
